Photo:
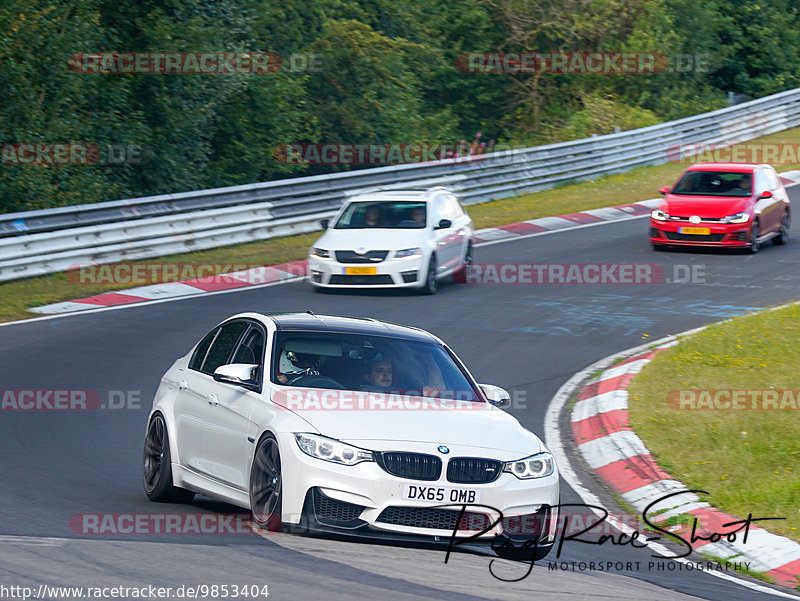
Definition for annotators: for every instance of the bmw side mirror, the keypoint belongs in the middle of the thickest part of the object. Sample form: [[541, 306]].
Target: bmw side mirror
[[324, 223], [238, 374], [664, 190], [444, 224], [495, 395], [766, 194]]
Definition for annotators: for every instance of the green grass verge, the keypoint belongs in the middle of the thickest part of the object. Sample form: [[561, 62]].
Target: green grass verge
[[635, 185], [747, 459]]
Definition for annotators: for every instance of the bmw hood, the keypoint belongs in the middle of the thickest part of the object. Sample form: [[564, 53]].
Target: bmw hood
[[408, 419]]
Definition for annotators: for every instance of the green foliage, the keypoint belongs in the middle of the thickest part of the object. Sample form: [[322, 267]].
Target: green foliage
[[387, 75]]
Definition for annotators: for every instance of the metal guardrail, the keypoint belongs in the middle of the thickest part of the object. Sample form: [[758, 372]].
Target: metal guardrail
[[47, 241]]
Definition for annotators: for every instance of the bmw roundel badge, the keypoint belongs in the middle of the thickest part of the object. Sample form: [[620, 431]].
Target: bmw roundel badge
[[443, 450]]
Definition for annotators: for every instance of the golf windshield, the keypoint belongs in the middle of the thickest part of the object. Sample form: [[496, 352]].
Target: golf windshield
[[714, 183], [383, 214]]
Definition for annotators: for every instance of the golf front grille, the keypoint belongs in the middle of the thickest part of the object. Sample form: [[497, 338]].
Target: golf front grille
[[694, 237]]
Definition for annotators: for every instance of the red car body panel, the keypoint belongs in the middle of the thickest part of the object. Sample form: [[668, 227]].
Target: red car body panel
[[706, 212]]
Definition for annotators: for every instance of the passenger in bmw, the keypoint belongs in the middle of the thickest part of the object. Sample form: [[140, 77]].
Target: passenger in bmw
[[379, 374]]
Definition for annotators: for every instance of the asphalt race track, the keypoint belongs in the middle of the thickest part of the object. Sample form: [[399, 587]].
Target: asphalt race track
[[528, 339]]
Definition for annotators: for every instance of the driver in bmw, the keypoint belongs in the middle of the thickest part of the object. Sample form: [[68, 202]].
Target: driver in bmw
[[292, 366]]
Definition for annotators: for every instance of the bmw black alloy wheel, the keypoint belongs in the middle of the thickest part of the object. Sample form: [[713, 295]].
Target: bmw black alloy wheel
[[154, 453], [157, 465], [266, 484]]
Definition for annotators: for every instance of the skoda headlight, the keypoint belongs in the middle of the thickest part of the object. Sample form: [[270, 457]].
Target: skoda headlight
[[330, 449], [659, 215], [535, 466], [407, 253], [738, 218], [320, 253]]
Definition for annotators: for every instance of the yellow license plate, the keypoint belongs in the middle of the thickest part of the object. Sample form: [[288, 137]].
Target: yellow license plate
[[360, 270], [701, 231]]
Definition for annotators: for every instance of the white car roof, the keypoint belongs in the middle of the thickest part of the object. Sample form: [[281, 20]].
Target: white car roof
[[414, 195]]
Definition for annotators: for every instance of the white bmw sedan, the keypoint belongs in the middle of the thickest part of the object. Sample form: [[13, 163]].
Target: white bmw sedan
[[352, 426], [400, 238]]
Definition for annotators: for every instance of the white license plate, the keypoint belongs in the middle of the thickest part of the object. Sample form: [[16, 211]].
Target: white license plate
[[440, 494]]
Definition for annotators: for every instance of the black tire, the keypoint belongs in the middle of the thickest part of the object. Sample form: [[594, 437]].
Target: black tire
[[783, 237], [431, 285], [460, 274], [266, 485], [755, 245], [157, 466]]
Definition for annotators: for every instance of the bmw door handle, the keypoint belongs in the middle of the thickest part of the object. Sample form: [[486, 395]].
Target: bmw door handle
[[213, 400]]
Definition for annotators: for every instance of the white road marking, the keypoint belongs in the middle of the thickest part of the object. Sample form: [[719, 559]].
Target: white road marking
[[553, 440]]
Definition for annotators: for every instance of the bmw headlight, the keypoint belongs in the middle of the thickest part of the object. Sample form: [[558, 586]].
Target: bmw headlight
[[659, 215], [535, 466], [407, 253], [320, 253], [738, 218], [330, 449]]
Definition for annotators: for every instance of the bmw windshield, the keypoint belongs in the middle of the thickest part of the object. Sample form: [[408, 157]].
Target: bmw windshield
[[369, 363]]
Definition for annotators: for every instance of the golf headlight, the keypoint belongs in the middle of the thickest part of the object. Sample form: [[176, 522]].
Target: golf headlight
[[738, 218], [535, 466], [659, 215], [320, 253], [330, 449], [407, 252]]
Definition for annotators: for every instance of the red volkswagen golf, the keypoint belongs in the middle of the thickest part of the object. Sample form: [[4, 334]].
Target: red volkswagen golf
[[722, 204]]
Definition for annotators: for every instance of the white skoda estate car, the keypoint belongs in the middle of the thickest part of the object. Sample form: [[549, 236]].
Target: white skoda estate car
[[351, 426], [399, 238]]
